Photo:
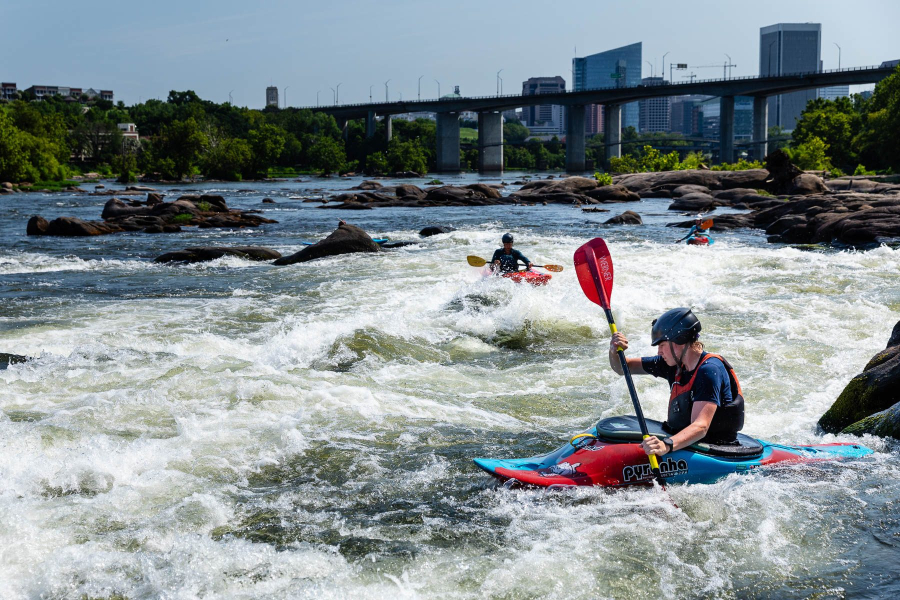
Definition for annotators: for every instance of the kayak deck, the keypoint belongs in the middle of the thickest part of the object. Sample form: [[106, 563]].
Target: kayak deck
[[620, 462]]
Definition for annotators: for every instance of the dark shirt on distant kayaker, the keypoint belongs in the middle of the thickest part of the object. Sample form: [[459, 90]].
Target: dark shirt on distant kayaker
[[712, 383], [509, 262]]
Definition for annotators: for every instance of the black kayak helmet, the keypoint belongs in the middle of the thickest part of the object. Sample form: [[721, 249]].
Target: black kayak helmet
[[678, 326], [507, 238]]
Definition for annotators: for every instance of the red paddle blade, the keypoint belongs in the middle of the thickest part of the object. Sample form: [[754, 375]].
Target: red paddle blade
[[594, 268]]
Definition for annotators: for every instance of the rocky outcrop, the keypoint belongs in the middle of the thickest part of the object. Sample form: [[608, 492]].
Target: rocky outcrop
[[346, 239], [152, 216], [476, 194], [782, 172], [695, 202], [193, 255], [837, 218], [435, 230], [871, 401], [626, 218], [712, 180]]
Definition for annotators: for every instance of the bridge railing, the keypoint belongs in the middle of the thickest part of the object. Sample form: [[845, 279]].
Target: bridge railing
[[572, 92]]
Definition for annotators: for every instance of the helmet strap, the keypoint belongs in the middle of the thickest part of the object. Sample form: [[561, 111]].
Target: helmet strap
[[679, 361]]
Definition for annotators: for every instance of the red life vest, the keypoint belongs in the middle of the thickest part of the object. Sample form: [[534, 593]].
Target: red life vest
[[728, 419]]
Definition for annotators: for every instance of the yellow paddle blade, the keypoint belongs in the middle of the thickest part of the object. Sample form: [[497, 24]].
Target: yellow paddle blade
[[554, 268], [476, 261]]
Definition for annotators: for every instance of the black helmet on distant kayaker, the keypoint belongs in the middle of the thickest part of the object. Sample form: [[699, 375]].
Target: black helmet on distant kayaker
[[678, 325], [507, 238]]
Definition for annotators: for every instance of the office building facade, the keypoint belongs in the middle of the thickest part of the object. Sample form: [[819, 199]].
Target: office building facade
[[619, 67], [784, 49], [834, 92], [685, 114], [547, 118], [654, 113], [272, 96]]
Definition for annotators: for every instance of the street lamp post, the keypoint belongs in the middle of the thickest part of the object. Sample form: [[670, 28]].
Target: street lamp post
[[334, 96], [420, 86], [662, 72], [498, 81], [229, 98], [651, 67], [370, 93], [285, 96], [439, 88], [386, 90], [337, 97], [839, 55]]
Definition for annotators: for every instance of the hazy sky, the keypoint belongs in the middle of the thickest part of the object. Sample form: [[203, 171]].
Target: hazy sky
[[143, 50]]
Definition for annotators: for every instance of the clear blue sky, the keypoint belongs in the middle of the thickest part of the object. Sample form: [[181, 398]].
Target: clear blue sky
[[143, 50]]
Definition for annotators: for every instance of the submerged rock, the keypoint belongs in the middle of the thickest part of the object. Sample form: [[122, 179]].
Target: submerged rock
[[875, 390], [436, 230], [7, 359], [346, 239], [193, 255]]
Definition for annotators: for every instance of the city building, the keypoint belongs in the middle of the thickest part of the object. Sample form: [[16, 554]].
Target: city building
[[709, 123], [654, 113], [784, 49], [685, 114], [544, 118], [129, 132], [8, 91], [272, 96], [834, 92], [43, 91], [619, 67], [593, 119]]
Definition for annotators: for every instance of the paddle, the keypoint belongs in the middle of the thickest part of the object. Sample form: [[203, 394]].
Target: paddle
[[477, 261], [594, 268]]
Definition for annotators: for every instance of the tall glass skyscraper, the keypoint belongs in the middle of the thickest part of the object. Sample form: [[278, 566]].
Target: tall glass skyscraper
[[786, 48], [619, 67]]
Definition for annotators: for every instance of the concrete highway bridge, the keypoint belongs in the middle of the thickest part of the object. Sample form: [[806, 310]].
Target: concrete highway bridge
[[490, 109]]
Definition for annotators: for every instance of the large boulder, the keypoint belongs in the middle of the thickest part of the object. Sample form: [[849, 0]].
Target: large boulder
[[612, 193], [782, 171], [885, 423], [874, 390], [805, 184], [346, 239], [69, 227], [626, 218], [193, 255], [695, 202]]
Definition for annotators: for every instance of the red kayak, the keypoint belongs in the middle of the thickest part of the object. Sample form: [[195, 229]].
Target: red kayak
[[699, 241], [532, 277]]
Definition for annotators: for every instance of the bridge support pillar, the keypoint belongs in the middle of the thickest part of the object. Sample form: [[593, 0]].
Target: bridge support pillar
[[388, 128], [760, 127], [370, 124], [612, 128], [490, 142], [447, 137], [575, 138], [726, 129]]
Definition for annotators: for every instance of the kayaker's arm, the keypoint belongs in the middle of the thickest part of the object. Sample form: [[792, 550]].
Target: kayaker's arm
[[701, 417], [634, 364], [689, 234]]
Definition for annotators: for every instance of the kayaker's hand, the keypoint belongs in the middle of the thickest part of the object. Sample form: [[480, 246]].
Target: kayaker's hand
[[529, 266], [654, 445], [618, 340]]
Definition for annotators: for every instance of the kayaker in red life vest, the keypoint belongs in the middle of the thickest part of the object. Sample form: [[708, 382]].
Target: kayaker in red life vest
[[505, 259], [705, 402]]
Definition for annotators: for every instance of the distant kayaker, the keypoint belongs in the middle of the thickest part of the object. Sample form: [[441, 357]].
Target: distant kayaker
[[697, 234], [705, 402], [505, 259]]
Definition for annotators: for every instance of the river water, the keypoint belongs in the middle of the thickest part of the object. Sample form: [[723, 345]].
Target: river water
[[239, 430]]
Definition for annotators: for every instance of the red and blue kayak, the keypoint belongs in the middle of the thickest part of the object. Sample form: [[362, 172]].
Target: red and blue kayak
[[610, 455]]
